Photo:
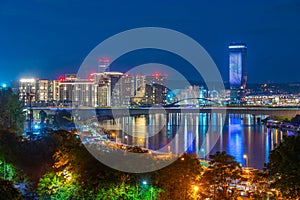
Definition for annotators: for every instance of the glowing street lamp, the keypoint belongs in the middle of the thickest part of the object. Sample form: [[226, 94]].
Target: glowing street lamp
[[246, 159], [196, 188], [195, 191], [145, 183], [126, 138], [203, 152]]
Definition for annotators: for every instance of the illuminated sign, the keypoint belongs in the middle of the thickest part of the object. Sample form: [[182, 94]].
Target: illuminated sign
[[237, 47], [27, 80], [235, 69]]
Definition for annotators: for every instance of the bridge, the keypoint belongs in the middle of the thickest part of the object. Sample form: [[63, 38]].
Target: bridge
[[206, 101], [108, 113], [271, 111]]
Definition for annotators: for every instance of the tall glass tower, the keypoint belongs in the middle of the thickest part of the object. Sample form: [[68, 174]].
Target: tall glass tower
[[103, 65], [237, 72]]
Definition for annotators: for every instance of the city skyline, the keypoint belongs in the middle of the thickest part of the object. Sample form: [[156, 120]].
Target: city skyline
[[38, 41]]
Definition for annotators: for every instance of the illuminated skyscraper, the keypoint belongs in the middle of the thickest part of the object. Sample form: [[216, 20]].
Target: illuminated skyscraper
[[103, 65], [237, 71]]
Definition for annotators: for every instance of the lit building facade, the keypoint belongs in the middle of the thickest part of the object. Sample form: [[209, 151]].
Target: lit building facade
[[237, 72], [150, 90], [27, 91], [103, 65], [54, 91], [100, 90], [76, 92], [43, 90]]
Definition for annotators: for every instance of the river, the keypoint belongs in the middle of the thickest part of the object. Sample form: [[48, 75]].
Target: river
[[240, 135]]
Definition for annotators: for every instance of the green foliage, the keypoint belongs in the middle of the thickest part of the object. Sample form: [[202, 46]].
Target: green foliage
[[11, 114], [283, 167], [8, 191], [128, 192], [57, 187], [221, 177], [7, 171], [177, 179], [282, 118]]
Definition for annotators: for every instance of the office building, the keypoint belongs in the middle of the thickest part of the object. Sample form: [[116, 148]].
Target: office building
[[103, 65], [27, 91], [237, 72], [150, 90]]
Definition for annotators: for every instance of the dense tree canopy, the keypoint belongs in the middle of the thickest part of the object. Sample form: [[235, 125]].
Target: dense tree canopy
[[283, 167], [11, 114], [177, 179], [220, 179]]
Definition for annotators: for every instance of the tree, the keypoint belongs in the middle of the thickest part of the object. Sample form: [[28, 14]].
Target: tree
[[11, 113], [177, 180], [296, 120], [43, 116], [221, 177], [128, 192], [62, 186], [8, 191], [62, 118], [283, 167]]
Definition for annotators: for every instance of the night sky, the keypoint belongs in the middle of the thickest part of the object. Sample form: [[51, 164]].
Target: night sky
[[48, 38]]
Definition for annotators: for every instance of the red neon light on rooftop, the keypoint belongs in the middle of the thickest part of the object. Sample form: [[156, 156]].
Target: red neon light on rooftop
[[104, 59], [156, 74], [61, 79]]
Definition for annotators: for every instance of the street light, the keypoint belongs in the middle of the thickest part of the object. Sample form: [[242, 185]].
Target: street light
[[145, 183], [246, 159], [203, 151], [196, 188], [195, 191], [126, 138]]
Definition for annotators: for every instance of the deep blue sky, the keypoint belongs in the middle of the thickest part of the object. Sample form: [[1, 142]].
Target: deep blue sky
[[47, 38]]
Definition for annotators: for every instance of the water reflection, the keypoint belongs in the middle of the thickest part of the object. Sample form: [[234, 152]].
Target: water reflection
[[201, 133]]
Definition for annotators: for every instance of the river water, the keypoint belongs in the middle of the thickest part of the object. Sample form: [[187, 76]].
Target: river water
[[240, 135]]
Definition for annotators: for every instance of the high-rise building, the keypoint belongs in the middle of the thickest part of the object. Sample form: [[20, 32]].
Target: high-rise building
[[54, 91], [27, 91], [113, 88], [237, 72], [150, 90], [103, 65], [101, 89], [43, 88], [76, 92]]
